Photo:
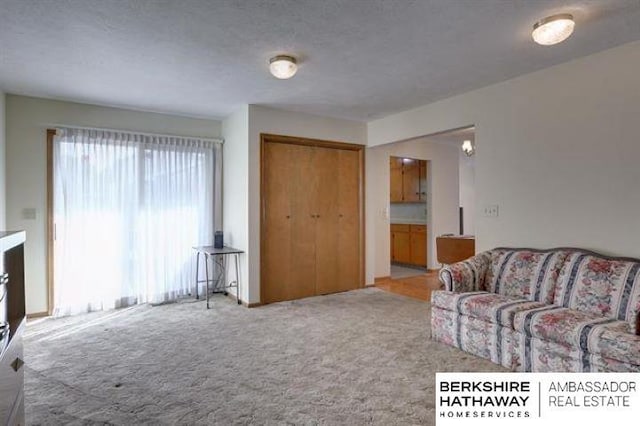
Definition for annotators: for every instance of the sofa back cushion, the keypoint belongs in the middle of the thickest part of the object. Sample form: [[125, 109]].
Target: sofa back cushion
[[603, 286], [526, 274]]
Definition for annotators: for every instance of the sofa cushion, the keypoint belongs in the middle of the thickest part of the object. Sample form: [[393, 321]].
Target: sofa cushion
[[601, 286], [615, 342], [449, 300], [490, 307], [533, 354], [526, 274], [565, 326]]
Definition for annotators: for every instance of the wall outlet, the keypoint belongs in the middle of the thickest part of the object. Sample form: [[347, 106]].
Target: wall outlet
[[490, 210]]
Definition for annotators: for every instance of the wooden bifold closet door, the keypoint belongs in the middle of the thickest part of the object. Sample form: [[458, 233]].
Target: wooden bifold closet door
[[312, 194]]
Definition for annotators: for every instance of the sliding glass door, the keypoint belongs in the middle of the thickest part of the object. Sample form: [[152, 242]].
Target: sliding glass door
[[127, 208]]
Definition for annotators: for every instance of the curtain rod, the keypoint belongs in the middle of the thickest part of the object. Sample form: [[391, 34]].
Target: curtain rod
[[162, 135]]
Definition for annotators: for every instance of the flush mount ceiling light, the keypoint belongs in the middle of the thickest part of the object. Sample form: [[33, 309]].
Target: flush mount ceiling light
[[553, 29], [468, 148], [283, 66]]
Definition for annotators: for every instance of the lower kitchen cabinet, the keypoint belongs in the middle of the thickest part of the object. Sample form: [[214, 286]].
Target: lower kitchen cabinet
[[418, 245], [409, 244]]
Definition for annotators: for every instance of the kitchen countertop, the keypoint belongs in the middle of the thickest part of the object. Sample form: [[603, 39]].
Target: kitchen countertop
[[400, 221]]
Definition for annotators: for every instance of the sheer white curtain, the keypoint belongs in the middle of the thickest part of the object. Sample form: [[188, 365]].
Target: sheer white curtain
[[127, 210]]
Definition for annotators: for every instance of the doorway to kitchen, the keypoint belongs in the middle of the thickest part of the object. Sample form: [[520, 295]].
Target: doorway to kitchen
[[408, 193]]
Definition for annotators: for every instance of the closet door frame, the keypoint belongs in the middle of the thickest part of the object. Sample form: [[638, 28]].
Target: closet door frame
[[266, 138]]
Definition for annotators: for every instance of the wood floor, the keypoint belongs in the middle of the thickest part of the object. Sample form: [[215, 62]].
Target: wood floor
[[418, 287]]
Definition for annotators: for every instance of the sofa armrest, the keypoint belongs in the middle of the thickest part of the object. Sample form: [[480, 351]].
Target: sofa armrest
[[466, 276]]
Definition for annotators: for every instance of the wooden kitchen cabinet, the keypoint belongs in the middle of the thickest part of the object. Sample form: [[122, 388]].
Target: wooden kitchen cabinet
[[418, 245], [408, 180], [409, 244], [423, 180], [400, 243], [411, 181], [395, 167]]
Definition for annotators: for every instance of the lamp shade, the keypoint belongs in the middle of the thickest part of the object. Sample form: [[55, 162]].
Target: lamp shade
[[283, 66], [467, 147], [553, 29]]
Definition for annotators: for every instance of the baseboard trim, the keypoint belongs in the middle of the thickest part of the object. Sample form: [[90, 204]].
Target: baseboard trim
[[242, 302], [38, 315], [377, 280]]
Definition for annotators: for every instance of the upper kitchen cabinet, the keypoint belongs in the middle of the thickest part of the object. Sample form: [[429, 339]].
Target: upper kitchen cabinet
[[395, 167], [408, 180], [423, 180]]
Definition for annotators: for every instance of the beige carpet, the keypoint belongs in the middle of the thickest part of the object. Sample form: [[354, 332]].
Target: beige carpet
[[362, 357]]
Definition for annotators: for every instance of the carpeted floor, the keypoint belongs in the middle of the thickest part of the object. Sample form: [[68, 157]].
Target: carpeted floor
[[362, 357]]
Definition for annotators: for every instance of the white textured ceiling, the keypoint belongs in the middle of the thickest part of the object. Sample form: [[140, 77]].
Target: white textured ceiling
[[360, 59]]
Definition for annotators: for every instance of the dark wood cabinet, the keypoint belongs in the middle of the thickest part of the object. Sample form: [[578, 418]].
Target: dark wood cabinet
[[14, 320], [408, 180]]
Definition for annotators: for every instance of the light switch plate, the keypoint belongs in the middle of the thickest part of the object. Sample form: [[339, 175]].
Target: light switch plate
[[490, 210], [29, 213]]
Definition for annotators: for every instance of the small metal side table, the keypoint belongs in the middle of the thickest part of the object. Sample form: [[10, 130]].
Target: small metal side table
[[219, 283]]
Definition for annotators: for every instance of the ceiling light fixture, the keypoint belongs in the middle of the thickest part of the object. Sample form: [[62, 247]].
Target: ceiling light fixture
[[283, 66], [553, 29], [468, 148]]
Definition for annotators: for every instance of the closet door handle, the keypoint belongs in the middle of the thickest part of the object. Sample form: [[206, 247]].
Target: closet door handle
[[17, 364], [288, 217]]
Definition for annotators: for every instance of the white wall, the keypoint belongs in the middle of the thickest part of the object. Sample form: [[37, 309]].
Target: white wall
[[467, 176], [557, 150], [442, 197], [269, 120], [27, 122], [235, 188], [3, 163]]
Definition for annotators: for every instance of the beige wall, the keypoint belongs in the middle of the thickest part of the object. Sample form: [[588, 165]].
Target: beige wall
[[27, 121], [467, 177], [235, 189], [557, 150], [442, 197], [269, 120]]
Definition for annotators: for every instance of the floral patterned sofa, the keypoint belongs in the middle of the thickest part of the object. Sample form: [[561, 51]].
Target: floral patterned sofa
[[542, 310]]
